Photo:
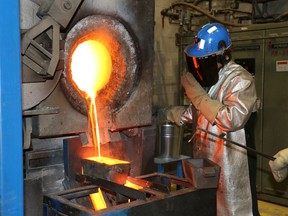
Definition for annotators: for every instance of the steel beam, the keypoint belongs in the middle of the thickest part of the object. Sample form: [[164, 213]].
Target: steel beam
[[11, 166]]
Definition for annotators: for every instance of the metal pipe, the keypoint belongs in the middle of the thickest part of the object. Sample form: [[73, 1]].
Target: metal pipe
[[206, 13]]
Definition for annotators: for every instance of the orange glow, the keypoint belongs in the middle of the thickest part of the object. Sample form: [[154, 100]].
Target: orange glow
[[196, 65], [108, 161], [94, 125], [132, 185], [91, 67], [98, 200]]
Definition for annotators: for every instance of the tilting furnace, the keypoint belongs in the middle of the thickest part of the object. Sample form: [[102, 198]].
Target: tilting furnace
[[73, 130]]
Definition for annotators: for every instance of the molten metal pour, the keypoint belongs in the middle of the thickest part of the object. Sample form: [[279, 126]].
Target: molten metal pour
[[92, 58], [91, 69]]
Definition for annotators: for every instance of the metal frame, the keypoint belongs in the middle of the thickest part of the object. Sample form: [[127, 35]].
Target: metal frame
[[11, 165], [147, 201]]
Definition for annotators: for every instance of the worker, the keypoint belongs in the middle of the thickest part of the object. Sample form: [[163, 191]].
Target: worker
[[279, 166], [223, 98]]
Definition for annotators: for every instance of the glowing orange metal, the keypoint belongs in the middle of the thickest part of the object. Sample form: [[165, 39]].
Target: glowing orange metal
[[98, 200], [91, 68], [108, 161], [132, 185]]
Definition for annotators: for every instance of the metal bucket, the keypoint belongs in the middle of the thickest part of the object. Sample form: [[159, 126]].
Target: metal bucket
[[201, 173], [170, 142]]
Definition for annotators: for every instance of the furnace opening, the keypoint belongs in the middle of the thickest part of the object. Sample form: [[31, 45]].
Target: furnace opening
[[123, 68], [118, 54]]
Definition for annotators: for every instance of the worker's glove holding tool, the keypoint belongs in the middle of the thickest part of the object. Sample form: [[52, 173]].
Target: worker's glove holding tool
[[279, 166], [199, 97]]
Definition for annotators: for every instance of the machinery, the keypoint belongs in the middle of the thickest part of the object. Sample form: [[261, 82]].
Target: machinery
[[49, 98], [59, 133], [53, 109], [57, 139]]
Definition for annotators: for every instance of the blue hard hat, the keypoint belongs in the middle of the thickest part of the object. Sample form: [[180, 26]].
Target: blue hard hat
[[212, 38]]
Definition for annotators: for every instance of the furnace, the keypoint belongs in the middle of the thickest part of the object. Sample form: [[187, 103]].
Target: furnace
[[87, 101], [125, 60], [57, 124]]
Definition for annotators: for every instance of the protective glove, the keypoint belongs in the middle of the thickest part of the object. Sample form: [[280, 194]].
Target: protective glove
[[199, 97], [174, 114], [279, 166]]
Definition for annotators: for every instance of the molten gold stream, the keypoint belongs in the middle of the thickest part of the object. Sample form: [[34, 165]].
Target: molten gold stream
[[94, 124], [91, 69]]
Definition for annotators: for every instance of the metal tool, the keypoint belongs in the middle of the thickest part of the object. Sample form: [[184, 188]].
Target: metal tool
[[237, 144]]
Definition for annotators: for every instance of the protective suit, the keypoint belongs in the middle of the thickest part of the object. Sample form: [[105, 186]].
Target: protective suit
[[225, 108]]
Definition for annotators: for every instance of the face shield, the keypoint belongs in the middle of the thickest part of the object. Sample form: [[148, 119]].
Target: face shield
[[210, 44], [204, 69]]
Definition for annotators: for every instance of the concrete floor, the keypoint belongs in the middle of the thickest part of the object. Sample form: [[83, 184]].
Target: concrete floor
[[270, 209]]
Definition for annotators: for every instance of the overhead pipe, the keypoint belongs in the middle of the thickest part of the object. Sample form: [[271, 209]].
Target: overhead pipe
[[200, 10]]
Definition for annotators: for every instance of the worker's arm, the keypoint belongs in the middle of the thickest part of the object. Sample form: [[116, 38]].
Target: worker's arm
[[279, 166], [199, 97], [238, 100]]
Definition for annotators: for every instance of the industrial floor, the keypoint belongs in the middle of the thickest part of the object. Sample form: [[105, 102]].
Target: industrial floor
[[270, 209]]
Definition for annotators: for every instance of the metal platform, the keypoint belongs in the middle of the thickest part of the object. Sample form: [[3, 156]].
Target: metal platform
[[183, 199]]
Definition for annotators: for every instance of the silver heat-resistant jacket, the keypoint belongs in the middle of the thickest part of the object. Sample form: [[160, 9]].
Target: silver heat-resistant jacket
[[235, 89]]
